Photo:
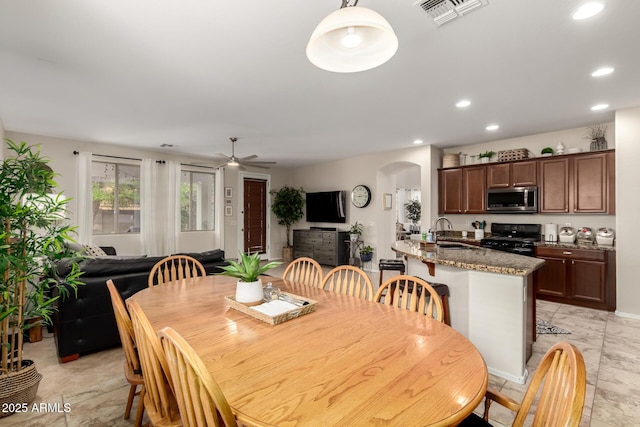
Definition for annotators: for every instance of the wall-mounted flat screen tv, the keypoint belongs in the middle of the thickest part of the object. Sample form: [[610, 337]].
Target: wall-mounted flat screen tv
[[327, 206]]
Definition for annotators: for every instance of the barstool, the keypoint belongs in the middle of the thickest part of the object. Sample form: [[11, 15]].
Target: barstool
[[391, 264]]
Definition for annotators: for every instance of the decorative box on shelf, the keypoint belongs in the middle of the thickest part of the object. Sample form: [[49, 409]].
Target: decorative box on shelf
[[510, 155], [277, 311]]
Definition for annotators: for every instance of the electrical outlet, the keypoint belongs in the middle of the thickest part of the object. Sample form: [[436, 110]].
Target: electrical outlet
[[467, 223]]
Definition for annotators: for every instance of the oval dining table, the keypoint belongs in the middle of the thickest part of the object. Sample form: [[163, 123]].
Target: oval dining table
[[350, 362]]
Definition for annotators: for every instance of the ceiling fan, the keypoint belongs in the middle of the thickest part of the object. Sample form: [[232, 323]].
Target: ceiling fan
[[242, 161]]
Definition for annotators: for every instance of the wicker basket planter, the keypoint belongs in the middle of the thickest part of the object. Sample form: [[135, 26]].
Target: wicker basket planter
[[19, 388]]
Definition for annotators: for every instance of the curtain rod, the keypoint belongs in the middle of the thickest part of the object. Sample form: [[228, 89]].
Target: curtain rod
[[111, 157], [197, 166], [162, 162]]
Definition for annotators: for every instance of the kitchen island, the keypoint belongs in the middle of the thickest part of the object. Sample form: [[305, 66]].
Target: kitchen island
[[491, 298]]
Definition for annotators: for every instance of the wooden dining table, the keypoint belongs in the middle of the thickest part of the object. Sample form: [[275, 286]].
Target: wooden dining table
[[350, 362]]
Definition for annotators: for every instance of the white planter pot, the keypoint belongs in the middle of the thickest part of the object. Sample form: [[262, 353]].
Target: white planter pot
[[249, 293], [354, 237]]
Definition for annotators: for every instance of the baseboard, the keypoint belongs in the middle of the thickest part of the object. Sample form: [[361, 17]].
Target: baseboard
[[520, 380], [627, 315]]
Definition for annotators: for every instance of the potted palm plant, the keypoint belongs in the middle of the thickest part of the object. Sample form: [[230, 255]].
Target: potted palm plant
[[287, 207], [31, 241], [247, 271]]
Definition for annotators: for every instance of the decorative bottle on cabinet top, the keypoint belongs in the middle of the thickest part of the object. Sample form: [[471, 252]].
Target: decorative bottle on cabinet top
[[560, 148]]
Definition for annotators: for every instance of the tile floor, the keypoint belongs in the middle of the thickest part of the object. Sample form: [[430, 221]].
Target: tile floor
[[95, 390]]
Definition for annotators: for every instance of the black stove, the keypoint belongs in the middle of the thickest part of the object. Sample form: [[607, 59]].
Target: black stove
[[515, 238]]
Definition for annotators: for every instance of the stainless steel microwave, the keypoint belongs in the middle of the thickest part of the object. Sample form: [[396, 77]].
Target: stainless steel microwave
[[512, 200]]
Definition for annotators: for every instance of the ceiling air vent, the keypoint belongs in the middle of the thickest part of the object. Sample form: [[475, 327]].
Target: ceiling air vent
[[443, 11]]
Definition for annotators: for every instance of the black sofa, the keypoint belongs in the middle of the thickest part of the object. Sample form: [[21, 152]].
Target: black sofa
[[85, 323]]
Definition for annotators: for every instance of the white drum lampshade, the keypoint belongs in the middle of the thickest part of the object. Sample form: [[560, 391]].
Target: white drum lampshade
[[352, 39]]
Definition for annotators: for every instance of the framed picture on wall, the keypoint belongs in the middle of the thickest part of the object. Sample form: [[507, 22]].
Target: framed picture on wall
[[228, 210], [387, 200], [228, 192]]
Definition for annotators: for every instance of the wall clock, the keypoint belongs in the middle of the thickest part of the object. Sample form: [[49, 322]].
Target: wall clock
[[360, 196]]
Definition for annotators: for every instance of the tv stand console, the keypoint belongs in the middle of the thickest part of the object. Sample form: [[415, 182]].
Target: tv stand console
[[326, 247]]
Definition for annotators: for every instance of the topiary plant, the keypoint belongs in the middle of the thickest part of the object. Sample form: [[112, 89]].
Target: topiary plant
[[287, 206]]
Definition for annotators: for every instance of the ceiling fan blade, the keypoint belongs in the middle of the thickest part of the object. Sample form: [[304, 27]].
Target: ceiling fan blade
[[259, 163], [254, 165], [253, 156], [242, 168], [224, 156]]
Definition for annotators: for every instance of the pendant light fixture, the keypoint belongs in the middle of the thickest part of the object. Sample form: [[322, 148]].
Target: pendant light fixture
[[352, 39]]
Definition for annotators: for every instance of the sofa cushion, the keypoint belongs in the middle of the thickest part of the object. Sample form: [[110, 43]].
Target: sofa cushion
[[93, 250], [110, 266], [215, 255]]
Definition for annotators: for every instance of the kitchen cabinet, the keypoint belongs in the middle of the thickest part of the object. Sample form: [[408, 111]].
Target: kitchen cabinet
[[462, 190], [553, 191], [584, 277], [580, 183], [512, 174], [591, 181], [567, 184]]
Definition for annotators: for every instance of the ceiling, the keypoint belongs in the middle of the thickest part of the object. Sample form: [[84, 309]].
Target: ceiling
[[193, 73]]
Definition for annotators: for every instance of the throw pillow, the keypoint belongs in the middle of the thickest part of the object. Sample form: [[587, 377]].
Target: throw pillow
[[93, 250]]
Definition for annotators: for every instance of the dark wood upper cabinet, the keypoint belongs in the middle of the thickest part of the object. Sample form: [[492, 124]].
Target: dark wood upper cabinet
[[516, 174], [450, 191], [474, 190], [590, 183], [573, 183], [462, 190], [582, 183], [553, 195]]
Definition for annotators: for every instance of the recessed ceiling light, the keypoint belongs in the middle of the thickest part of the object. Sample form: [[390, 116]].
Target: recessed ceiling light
[[418, 141], [598, 107], [464, 103], [587, 10], [602, 71], [493, 127]]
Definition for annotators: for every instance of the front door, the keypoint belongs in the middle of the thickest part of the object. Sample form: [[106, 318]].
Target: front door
[[255, 215]]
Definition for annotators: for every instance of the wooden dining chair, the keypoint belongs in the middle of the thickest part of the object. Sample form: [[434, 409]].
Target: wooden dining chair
[[349, 280], [411, 293], [159, 398], [175, 267], [558, 384], [304, 270], [132, 370], [200, 399]]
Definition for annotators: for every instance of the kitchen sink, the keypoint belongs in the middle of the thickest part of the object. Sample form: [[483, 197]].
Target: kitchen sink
[[455, 246]]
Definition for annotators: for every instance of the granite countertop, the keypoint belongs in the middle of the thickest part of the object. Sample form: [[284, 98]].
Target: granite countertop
[[576, 245], [456, 236], [474, 258]]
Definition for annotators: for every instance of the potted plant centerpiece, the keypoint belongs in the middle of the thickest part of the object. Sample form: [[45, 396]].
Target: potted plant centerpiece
[[247, 271], [287, 207], [31, 241], [355, 231], [366, 253]]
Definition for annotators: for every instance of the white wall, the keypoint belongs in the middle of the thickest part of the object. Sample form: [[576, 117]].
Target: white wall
[[628, 206], [376, 171], [2, 139]]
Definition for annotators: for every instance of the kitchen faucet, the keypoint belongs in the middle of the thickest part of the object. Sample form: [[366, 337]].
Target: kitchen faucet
[[434, 227]]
